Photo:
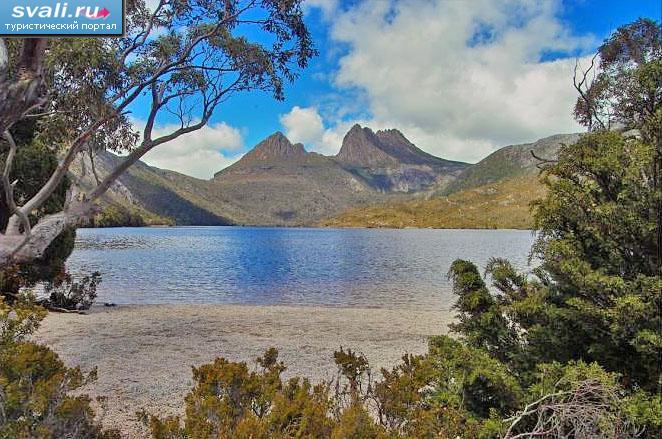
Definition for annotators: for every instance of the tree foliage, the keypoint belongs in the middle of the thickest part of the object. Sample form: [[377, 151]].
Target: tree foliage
[[33, 165], [589, 315], [180, 58]]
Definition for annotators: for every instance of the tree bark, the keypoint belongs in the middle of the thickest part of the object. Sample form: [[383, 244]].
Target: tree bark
[[22, 92], [41, 235]]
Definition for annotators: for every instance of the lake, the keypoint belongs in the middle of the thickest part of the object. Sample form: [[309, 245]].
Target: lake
[[362, 268]]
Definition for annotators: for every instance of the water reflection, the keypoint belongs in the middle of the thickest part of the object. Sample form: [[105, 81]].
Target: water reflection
[[332, 267]]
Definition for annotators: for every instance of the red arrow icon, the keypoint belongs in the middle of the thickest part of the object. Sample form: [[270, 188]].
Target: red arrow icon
[[104, 13]]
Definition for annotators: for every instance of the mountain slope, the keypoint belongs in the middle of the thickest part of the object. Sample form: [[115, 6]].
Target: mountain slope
[[508, 162], [155, 195], [493, 193], [500, 205]]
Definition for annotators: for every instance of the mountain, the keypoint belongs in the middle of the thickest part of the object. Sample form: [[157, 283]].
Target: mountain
[[375, 175], [509, 162], [274, 149], [280, 183], [386, 148], [391, 163], [500, 205], [147, 195], [493, 193]]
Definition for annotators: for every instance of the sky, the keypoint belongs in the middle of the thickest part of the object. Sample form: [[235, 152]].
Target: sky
[[459, 78]]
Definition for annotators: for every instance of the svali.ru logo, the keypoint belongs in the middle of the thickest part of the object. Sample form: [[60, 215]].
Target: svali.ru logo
[[62, 17], [60, 10]]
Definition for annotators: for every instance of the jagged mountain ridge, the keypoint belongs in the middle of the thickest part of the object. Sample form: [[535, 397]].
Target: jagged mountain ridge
[[280, 183], [363, 147], [391, 163]]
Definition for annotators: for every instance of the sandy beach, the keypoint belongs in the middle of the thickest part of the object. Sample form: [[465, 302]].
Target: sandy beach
[[144, 353]]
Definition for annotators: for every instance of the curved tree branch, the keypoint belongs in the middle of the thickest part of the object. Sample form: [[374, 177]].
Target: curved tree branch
[[9, 195]]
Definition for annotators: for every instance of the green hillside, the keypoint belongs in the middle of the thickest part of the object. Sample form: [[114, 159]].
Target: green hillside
[[508, 162], [145, 195], [501, 205]]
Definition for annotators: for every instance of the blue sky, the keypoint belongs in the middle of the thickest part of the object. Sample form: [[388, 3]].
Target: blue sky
[[460, 78]]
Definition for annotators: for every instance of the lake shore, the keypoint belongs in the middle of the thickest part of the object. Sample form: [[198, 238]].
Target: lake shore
[[144, 353]]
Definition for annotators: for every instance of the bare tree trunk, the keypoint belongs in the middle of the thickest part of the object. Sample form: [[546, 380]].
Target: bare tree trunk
[[22, 92], [4, 59], [41, 235]]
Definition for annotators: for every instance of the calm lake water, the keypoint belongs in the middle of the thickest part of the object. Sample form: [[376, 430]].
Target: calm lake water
[[244, 265]]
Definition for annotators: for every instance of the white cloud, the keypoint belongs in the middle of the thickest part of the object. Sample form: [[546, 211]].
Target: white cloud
[[198, 154], [460, 78], [328, 7], [302, 124], [305, 125]]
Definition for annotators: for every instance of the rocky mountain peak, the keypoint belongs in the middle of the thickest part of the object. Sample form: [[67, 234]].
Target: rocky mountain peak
[[391, 133], [361, 147], [396, 142], [275, 147], [386, 148], [357, 131], [275, 150]]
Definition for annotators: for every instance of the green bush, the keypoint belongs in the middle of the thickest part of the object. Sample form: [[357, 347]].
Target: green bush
[[67, 293], [36, 387], [231, 401]]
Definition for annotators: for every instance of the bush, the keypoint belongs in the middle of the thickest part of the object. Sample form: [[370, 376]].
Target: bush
[[452, 391], [424, 396], [66, 293], [35, 386], [231, 401]]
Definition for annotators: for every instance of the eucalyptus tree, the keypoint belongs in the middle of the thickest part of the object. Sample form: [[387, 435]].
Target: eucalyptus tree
[[179, 59], [596, 295], [622, 90]]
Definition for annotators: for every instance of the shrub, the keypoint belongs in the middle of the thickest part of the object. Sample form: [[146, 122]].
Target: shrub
[[231, 401], [36, 386], [66, 293], [424, 396]]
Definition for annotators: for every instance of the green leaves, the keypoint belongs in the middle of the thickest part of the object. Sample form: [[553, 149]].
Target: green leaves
[[36, 387], [584, 337], [470, 378]]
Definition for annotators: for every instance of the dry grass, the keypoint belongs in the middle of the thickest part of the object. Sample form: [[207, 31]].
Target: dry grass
[[501, 205]]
